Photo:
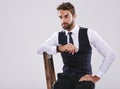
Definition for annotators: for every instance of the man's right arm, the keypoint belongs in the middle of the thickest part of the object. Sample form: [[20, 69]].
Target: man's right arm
[[51, 46]]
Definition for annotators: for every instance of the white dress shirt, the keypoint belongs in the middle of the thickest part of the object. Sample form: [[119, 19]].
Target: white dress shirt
[[95, 40]]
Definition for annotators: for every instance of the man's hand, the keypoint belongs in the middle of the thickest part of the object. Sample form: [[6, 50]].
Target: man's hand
[[91, 78], [70, 48]]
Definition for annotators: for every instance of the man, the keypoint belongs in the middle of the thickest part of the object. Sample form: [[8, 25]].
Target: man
[[75, 45]]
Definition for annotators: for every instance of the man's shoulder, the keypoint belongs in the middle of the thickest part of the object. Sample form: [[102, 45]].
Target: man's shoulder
[[57, 33], [89, 30], [61, 32], [83, 28]]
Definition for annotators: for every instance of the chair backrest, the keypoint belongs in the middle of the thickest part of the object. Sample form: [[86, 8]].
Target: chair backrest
[[49, 70]]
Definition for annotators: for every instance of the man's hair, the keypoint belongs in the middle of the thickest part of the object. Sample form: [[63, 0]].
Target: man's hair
[[66, 6]]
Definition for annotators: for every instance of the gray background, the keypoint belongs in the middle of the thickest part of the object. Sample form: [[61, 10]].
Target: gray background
[[26, 24]]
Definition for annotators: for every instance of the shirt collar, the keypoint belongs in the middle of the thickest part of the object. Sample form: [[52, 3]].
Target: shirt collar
[[74, 30]]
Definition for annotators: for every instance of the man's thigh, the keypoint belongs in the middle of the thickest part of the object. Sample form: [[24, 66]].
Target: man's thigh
[[85, 85], [63, 84]]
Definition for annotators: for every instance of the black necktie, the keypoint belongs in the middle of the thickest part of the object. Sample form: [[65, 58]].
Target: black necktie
[[70, 38]]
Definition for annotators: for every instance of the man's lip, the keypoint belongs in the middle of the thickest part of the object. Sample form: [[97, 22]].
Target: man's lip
[[65, 24]]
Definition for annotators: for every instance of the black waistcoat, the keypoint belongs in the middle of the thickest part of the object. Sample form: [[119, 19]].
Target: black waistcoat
[[80, 62]]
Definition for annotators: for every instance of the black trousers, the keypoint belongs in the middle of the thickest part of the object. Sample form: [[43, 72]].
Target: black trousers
[[72, 82]]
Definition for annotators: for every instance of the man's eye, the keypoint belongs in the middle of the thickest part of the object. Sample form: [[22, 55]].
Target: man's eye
[[66, 16], [60, 17]]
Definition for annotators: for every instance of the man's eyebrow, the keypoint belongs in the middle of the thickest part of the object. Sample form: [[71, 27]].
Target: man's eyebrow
[[67, 15], [64, 15]]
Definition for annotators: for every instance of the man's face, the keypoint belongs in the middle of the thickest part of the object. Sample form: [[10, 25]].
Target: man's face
[[67, 19]]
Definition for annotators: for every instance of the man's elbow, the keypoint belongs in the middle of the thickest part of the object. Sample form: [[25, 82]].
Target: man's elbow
[[112, 55], [40, 50]]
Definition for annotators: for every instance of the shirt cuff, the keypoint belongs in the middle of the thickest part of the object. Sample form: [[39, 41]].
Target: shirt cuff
[[51, 50], [99, 74]]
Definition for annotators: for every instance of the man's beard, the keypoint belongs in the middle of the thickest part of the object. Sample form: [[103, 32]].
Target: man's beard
[[68, 26]]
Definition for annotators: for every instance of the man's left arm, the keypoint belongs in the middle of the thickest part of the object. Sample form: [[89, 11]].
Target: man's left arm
[[103, 48]]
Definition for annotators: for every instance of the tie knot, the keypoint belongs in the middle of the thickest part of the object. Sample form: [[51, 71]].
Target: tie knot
[[69, 33]]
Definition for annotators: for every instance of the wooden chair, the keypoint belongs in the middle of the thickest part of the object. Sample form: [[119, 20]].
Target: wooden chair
[[49, 70]]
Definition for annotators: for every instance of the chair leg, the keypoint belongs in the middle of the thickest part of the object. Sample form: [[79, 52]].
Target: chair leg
[[49, 70]]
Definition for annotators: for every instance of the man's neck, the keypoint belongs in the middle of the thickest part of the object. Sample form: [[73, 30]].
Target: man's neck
[[72, 27]]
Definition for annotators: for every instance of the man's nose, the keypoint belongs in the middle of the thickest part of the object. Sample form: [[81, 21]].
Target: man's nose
[[63, 20]]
